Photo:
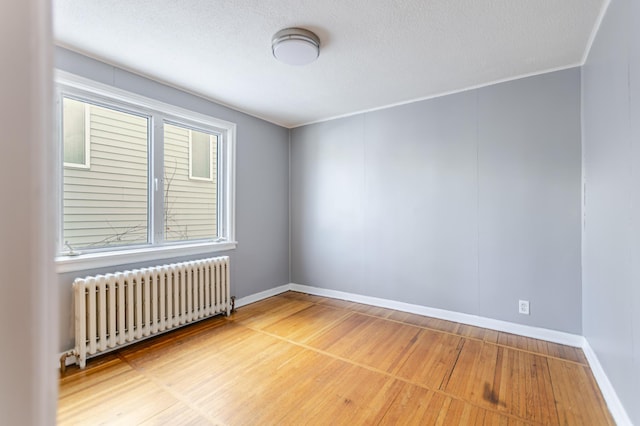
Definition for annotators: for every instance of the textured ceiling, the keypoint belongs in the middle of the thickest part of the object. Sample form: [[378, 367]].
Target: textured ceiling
[[374, 53]]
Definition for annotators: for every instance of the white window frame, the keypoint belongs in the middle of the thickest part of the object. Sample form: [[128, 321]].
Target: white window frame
[[68, 84], [87, 141], [211, 143]]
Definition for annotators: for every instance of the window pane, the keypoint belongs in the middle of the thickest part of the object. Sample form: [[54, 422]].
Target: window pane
[[74, 131], [106, 205], [200, 155], [190, 205]]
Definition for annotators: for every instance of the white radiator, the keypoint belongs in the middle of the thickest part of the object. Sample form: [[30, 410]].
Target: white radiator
[[113, 310]]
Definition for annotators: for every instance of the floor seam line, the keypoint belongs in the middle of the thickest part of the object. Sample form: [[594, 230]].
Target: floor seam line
[[167, 389], [422, 327], [391, 376]]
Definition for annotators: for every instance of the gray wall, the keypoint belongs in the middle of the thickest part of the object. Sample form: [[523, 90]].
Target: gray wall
[[261, 260], [611, 239], [467, 202]]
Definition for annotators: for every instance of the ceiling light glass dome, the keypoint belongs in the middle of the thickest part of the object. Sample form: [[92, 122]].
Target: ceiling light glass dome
[[295, 46]]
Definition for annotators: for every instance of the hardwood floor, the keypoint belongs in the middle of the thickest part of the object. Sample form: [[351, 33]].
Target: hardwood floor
[[302, 359]]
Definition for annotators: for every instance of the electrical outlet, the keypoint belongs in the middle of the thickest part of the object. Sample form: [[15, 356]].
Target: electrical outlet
[[523, 307]]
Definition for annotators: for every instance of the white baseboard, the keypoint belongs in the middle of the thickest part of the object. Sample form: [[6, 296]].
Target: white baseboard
[[608, 392], [252, 298], [478, 321]]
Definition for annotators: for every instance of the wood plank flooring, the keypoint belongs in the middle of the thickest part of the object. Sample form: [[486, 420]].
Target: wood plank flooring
[[301, 359]]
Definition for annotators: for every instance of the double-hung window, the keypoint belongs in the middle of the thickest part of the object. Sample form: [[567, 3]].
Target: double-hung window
[[139, 179]]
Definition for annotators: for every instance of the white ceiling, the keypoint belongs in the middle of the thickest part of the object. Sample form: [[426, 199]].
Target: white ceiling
[[374, 53]]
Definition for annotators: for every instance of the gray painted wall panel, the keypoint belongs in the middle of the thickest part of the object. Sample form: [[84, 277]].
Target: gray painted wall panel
[[634, 98], [412, 174], [261, 260], [420, 199], [634, 116], [529, 191], [327, 182], [611, 241]]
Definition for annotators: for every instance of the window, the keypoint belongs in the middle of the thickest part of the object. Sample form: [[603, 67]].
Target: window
[[76, 133], [201, 155], [159, 182]]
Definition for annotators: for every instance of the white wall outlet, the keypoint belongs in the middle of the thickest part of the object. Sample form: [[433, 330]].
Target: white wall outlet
[[523, 307]]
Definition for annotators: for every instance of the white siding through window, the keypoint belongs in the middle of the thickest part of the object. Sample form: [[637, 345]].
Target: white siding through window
[[190, 205]]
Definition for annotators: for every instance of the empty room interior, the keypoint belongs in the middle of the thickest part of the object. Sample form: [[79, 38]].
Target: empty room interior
[[296, 212]]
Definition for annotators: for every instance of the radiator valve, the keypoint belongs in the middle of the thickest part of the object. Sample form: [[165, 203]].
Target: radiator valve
[[63, 360]]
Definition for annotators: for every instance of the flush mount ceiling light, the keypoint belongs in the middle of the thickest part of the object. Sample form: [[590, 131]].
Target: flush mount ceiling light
[[295, 46]]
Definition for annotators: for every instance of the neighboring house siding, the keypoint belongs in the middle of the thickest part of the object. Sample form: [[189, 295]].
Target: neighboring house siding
[[190, 205], [106, 205]]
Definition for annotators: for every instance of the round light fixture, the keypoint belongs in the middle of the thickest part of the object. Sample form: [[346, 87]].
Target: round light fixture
[[295, 46]]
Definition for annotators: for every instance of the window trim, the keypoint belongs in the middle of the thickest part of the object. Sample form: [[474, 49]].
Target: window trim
[[136, 255], [87, 141], [67, 83]]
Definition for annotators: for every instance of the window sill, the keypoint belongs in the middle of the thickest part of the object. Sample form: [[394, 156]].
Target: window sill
[[121, 257]]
